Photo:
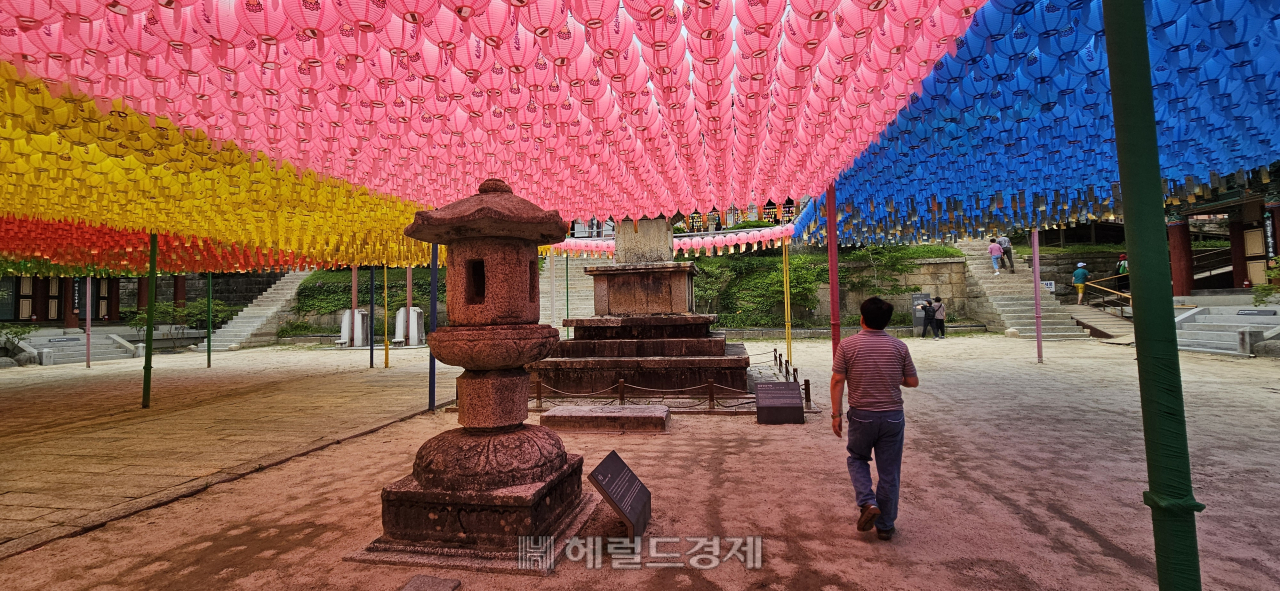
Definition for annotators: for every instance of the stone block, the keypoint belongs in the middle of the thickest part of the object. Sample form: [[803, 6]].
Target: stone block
[[482, 273], [7, 362], [643, 241], [607, 418], [492, 398], [425, 520]]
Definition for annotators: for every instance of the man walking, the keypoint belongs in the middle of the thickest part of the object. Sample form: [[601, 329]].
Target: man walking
[[1006, 248], [876, 366], [1078, 278], [996, 253]]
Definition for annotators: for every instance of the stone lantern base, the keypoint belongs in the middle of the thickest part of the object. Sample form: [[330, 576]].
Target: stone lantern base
[[475, 493]]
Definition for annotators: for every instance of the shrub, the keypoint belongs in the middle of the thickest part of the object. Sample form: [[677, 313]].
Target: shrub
[[326, 292], [15, 332]]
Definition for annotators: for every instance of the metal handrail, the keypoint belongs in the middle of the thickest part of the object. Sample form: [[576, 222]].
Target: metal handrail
[[1108, 293]]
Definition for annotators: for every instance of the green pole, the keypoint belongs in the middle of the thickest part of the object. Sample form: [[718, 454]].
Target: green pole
[[1173, 507], [151, 321], [208, 328]]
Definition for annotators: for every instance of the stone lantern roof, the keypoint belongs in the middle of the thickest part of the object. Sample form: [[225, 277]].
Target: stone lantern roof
[[493, 212]]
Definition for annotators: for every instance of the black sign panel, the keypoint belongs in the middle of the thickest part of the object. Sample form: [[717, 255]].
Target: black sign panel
[[64, 340], [624, 492], [779, 403], [1255, 312]]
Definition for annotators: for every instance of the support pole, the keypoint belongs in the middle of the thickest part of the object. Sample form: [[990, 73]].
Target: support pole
[[408, 303], [1173, 505], [355, 303], [371, 300], [1035, 280], [786, 291], [88, 321], [833, 268], [208, 327], [386, 316], [151, 322], [431, 327]]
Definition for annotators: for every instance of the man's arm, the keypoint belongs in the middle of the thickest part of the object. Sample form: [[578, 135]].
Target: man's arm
[[837, 403], [911, 382]]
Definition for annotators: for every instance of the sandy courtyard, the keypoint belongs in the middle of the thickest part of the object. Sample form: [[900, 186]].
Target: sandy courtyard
[[1017, 476]]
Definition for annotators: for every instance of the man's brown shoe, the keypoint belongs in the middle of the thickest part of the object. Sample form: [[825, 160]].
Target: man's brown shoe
[[885, 534], [868, 517]]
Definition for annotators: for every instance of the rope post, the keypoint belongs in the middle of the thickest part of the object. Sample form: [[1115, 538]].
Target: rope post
[[808, 402], [711, 394], [622, 392], [537, 393]]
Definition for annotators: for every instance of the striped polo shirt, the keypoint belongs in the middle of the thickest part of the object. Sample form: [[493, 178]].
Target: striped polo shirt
[[874, 364]]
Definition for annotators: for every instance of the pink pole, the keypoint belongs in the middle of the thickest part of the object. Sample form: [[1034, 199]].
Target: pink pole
[[88, 322], [1035, 277], [408, 304], [355, 279], [833, 268]]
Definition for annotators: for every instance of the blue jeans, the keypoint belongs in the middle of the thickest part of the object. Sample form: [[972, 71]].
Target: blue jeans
[[881, 431], [995, 261]]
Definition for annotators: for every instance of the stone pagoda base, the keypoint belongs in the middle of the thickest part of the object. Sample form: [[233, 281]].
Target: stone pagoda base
[[478, 530]]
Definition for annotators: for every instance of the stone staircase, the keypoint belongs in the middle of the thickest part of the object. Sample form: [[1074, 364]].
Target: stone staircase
[[1222, 330], [1007, 301], [257, 323], [69, 348]]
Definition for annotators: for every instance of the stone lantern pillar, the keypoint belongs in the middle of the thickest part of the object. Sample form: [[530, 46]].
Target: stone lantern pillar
[[476, 490]]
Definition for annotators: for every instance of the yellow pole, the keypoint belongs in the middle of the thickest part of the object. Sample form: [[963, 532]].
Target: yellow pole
[[786, 292], [386, 312]]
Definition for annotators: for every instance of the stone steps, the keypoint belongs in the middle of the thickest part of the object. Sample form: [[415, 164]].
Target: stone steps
[[1007, 301], [253, 326]]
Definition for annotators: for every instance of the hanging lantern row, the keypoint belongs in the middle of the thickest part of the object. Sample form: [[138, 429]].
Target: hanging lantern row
[[1015, 129], [711, 244], [38, 247], [70, 161], [586, 107]]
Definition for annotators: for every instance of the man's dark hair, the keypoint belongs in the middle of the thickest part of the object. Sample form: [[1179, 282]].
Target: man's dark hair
[[938, 299], [876, 313], [993, 239]]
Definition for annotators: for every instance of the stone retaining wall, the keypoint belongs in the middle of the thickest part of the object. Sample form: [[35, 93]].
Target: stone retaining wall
[[943, 278]]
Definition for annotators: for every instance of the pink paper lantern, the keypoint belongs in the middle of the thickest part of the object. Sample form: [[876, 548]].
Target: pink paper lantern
[[519, 52], [496, 25], [268, 26], [414, 11], [544, 17], [217, 20], [592, 13], [647, 9], [365, 15], [564, 45], [445, 29]]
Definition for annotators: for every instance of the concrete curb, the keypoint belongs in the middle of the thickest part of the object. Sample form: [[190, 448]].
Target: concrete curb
[[100, 518]]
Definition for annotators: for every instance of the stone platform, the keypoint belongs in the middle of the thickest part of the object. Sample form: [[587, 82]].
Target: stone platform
[[646, 418], [581, 375]]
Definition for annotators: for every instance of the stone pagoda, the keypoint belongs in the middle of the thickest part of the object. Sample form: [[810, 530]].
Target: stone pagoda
[[476, 490], [645, 330]]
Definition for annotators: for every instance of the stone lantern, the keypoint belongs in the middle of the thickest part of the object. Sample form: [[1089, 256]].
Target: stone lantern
[[476, 490]]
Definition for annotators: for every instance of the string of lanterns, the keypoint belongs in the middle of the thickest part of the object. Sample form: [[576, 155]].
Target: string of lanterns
[[65, 159], [590, 108], [710, 244], [38, 247], [1015, 129]]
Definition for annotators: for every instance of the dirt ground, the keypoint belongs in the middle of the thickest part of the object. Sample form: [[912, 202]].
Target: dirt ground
[[1017, 476]]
